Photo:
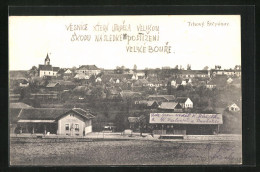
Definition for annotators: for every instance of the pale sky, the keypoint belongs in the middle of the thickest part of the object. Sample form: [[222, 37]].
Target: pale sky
[[32, 37]]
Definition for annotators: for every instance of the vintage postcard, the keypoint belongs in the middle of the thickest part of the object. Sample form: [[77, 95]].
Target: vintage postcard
[[125, 90]]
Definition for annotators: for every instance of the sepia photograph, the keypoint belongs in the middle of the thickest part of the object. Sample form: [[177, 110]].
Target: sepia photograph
[[125, 90]]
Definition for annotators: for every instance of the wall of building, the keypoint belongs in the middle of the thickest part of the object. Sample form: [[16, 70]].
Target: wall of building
[[71, 120], [47, 73], [89, 72]]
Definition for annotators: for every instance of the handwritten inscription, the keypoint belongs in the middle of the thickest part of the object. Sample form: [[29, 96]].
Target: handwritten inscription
[[210, 153], [186, 118], [138, 38], [207, 24]]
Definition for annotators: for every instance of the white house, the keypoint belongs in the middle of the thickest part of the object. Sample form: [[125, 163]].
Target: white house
[[173, 83], [233, 107], [88, 70], [68, 71], [185, 102], [229, 80]]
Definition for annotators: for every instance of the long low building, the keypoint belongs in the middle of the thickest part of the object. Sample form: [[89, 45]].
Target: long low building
[[185, 123], [72, 122]]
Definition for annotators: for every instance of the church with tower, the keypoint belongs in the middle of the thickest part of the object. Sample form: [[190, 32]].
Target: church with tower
[[47, 69]]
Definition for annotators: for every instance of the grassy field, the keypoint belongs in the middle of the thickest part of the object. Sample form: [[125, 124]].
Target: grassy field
[[128, 152]]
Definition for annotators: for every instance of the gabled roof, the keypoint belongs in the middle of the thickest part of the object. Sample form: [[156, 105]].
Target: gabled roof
[[107, 77], [141, 82], [166, 97], [66, 83], [80, 89], [133, 119], [67, 71], [81, 76], [41, 113], [130, 94], [52, 84], [13, 114], [55, 69], [169, 105], [150, 103], [19, 105], [45, 67], [88, 67], [51, 113], [181, 99], [83, 113]]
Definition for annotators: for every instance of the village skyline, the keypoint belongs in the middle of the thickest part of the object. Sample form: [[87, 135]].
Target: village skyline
[[174, 66]]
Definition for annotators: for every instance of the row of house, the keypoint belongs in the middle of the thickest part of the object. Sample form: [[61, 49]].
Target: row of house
[[166, 102], [48, 70]]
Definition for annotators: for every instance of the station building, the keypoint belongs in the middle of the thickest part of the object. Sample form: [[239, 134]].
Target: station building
[[185, 123], [72, 122]]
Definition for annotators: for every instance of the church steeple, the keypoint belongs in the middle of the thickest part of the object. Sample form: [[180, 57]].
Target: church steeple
[[47, 60]]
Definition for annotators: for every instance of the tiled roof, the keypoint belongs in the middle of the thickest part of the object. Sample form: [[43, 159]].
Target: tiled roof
[[150, 103], [48, 68], [52, 84], [107, 77], [88, 67], [83, 113], [41, 113], [50, 113], [55, 69], [19, 105], [13, 114], [125, 94], [167, 97], [62, 82], [45, 67], [181, 99], [133, 119], [81, 76], [168, 105], [80, 88]]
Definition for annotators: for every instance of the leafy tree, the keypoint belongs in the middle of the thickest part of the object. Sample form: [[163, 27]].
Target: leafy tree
[[169, 88], [206, 68], [33, 71], [237, 67], [188, 67], [135, 68], [92, 79], [97, 92]]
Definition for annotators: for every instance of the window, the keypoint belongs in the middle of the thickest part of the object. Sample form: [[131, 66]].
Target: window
[[76, 127], [67, 127]]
